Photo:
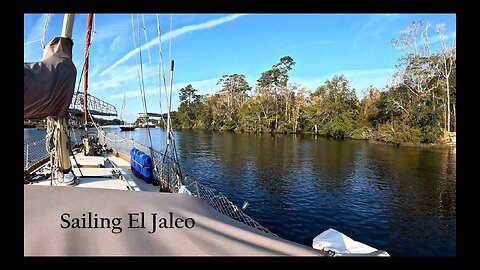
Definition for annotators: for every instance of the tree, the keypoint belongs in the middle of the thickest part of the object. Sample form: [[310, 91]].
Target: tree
[[230, 99], [416, 70], [282, 68], [234, 87], [277, 77], [190, 107], [272, 85], [427, 120], [448, 64], [187, 94], [298, 107], [250, 115], [334, 108]]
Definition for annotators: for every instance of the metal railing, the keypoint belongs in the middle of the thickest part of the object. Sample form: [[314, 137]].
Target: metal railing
[[33, 152]]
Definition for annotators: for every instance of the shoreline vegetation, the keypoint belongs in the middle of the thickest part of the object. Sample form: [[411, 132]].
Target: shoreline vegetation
[[419, 108]]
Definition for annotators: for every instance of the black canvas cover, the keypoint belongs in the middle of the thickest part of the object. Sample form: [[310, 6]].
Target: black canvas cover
[[49, 84]]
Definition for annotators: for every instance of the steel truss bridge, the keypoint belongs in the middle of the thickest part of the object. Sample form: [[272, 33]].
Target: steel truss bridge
[[95, 105]]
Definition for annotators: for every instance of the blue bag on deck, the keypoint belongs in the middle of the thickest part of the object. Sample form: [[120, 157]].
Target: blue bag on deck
[[147, 169], [141, 165], [134, 162]]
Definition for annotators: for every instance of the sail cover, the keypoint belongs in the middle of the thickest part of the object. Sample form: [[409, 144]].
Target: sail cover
[[66, 221], [49, 84]]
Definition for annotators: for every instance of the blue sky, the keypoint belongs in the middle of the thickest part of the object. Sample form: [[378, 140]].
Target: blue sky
[[207, 46]]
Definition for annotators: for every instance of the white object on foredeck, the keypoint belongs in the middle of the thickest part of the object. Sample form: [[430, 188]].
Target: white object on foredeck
[[343, 245], [68, 178], [183, 189]]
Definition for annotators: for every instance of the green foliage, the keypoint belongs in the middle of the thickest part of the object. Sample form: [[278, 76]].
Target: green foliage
[[385, 110], [431, 134], [401, 134], [427, 120], [338, 127], [334, 108], [250, 119], [406, 133], [362, 133], [103, 122], [421, 116], [190, 108]]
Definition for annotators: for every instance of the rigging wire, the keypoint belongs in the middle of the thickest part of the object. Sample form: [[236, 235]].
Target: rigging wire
[[170, 140], [136, 57], [148, 52], [142, 83], [101, 130], [169, 95], [45, 29], [94, 24], [170, 45], [32, 41], [161, 70]]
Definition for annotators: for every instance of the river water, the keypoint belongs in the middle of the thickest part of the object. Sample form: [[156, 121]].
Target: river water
[[398, 199]]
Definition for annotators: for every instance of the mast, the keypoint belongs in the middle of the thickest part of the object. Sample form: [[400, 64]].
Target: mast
[[123, 109], [67, 27], [85, 67], [63, 155]]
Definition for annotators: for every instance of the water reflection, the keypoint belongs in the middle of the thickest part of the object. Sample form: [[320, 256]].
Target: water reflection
[[333, 163]]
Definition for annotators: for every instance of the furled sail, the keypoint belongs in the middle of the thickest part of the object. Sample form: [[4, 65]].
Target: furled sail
[[49, 84]]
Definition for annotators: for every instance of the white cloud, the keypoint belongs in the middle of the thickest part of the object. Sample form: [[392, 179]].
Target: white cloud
[[208, 86], [374, 25], [116, 42], [124, 76], [173, 34]]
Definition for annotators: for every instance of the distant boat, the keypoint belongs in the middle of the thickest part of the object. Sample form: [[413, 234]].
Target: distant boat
[[126, 126], [145, 125]]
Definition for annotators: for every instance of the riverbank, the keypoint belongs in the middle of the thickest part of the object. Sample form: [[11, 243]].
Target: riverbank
[[448, 140], [410, 144]]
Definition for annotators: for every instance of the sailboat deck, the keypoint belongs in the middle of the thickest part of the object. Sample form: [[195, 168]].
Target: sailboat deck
[[106, 172]]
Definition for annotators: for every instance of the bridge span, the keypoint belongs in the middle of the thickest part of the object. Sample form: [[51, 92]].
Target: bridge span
[[95, 105]]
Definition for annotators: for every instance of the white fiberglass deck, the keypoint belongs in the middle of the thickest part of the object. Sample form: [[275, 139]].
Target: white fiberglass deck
[[103, 172]]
